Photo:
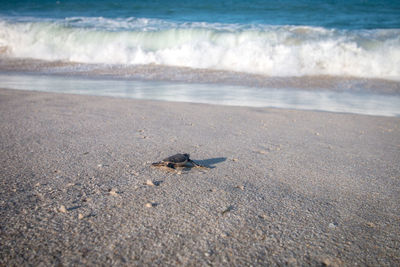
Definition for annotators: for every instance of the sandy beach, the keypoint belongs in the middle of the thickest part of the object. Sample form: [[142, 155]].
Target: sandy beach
[[283, 187]]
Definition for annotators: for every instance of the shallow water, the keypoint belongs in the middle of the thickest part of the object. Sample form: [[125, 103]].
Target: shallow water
[[320, 100]]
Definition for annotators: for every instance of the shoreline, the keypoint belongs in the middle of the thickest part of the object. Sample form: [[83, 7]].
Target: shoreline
[[352, 101], [284, 186]]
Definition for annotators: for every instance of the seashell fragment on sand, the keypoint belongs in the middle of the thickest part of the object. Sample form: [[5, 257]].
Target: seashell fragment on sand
[[62, 209]]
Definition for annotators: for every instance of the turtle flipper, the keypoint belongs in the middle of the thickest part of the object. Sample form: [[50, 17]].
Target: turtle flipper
[[163, 164], [158, 164], [171, 165], [196, 164]]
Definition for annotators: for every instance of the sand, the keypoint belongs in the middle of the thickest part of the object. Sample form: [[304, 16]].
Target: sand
[[283, 187]]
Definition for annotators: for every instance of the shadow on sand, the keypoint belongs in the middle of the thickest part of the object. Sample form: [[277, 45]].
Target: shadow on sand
[[209, 163]]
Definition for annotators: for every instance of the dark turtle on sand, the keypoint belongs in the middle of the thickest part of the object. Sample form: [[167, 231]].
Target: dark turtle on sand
[[177, 160]]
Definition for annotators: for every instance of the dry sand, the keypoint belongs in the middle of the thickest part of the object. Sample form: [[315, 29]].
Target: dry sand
[[284, 187]]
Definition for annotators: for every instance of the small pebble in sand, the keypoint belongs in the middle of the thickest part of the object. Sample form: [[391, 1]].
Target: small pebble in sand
[[37, 184], [262, 216], [100, 165], [332, 263], [113, 192], [228, 209], [332, 225], [62, 209], [148, 205], [39, 196], [371, 224], [241, 187], [149, 183], [80, 216], [235, 159], [88, 199]]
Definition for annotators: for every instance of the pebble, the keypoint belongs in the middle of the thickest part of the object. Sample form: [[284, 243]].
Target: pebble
[[148, 205], [329, 262], [241, 187], [332, 225], [150, 183], [80, 216], [62, 209], [371, 224], [228, 209], [113, 192]]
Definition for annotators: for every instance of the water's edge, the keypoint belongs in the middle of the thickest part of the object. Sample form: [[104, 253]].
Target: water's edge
[[366, 103]]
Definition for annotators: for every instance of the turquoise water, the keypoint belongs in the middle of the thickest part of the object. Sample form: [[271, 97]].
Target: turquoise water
[[354, 45], [350, 14]]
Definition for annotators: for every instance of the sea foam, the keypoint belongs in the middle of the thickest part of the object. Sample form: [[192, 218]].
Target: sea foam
[[257, 49]]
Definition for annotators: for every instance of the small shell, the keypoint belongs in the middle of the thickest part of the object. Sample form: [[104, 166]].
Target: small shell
[[241, 187], [62, 209], [149, 183], [113, 192]]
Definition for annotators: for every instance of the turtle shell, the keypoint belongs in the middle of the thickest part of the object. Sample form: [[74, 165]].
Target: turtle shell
[[177, 159]]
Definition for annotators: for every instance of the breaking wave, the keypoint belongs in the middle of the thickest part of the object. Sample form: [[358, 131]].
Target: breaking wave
[[257, 49]]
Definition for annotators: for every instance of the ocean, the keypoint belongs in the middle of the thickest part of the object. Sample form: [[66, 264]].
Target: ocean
[[341, 56]]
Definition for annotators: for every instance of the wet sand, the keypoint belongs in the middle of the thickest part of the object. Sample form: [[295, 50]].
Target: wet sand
[[283, 187]]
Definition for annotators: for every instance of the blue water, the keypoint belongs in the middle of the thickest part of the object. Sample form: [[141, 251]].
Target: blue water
[[237, 46], [340, 14]]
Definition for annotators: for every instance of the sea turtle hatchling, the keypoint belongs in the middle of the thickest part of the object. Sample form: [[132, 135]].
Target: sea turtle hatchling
[[177, 160]]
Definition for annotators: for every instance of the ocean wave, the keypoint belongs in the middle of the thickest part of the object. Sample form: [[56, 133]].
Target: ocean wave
[[257, 49]]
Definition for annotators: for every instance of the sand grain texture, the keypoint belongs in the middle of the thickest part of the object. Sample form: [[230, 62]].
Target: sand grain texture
[[284, 187]]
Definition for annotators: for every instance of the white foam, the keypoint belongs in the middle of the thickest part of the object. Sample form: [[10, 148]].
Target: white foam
[[258, 49]]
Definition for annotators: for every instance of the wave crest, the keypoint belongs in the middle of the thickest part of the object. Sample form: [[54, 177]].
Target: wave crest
[[258, 49]]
